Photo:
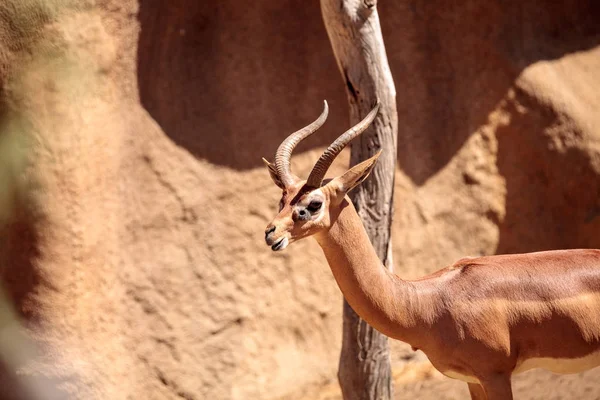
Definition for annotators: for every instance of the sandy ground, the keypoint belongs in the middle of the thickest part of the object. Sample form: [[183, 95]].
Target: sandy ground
[[134, 240], [533, 385], [421, 381]]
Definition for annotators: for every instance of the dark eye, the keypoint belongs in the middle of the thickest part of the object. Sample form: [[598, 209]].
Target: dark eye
[[314, 205]]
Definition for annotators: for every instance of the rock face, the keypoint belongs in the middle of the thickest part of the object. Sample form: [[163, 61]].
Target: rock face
[[132, 198]]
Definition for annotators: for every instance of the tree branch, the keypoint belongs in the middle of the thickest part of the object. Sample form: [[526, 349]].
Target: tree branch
[[355, 35]]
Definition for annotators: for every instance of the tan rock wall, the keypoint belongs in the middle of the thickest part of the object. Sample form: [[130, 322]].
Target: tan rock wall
[[133, 249]]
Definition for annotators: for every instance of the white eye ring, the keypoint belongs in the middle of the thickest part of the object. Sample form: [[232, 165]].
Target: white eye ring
[[314, 206]]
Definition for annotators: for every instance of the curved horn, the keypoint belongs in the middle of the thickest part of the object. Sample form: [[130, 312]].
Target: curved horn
[[320, 169], [284, 151]]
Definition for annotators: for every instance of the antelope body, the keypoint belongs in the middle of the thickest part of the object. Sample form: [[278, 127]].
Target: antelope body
[[479, 320]]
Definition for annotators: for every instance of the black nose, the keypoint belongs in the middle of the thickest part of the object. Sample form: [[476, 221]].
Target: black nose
[[268, 231]]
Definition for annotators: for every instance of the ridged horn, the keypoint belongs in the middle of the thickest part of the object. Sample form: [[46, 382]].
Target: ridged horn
[[284, 151], [320, 169]]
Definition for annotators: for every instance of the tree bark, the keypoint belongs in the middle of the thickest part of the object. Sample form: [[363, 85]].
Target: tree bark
[[355, 35]]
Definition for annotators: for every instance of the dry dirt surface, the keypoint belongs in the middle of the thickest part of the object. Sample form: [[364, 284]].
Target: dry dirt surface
[[529, 386], [421, 381], [133, 199]]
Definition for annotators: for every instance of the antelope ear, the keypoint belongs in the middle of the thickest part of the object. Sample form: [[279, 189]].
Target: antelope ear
[[273, 173], [354, 176]]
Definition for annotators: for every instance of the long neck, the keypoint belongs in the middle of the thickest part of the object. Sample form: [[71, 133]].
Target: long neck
[[378, 296]]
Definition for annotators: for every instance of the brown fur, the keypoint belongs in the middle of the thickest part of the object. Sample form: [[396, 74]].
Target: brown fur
[[480, 317]]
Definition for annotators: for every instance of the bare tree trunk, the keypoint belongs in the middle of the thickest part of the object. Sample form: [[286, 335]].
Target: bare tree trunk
[[355, 35]]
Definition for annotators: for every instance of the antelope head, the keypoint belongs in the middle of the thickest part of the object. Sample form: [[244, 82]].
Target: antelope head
[[311, 206]]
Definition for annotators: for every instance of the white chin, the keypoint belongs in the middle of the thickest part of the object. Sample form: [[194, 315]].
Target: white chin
[[280, 244]]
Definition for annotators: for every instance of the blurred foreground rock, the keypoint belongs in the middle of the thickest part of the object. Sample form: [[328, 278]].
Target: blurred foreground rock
[[133, 199]]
